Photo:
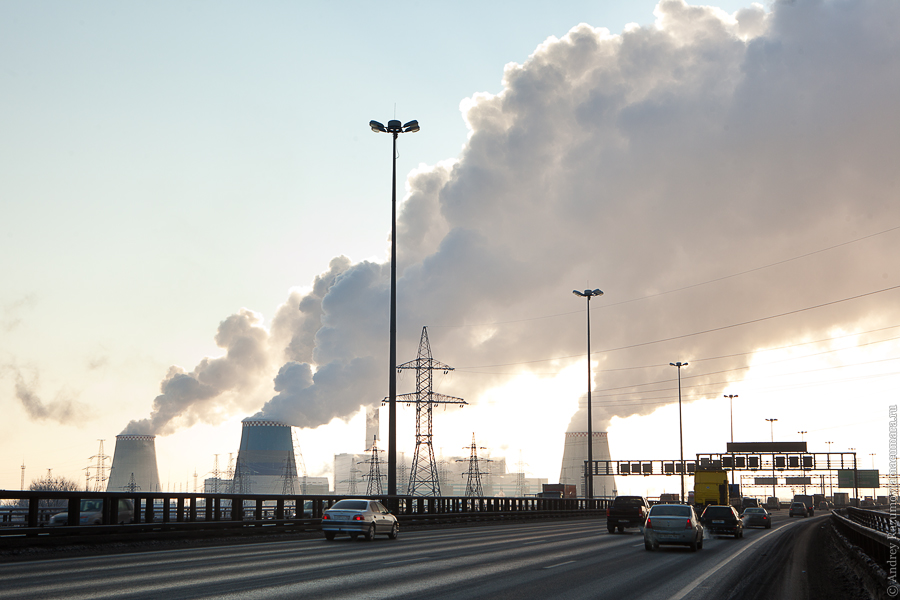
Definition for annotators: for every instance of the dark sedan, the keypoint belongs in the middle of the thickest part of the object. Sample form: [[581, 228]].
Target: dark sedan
[[719, 519], [757, 517]]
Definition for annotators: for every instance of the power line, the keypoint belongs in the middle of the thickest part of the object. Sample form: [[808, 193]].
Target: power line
[[687, 335], [687, 287]]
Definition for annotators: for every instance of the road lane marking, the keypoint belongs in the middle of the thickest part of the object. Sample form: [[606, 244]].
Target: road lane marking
[[417, 559], [692, 585], [568, 562]]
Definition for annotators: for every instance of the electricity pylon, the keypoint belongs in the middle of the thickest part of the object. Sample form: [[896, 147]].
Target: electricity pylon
[[474, 487], [424, 480], [374, 476]]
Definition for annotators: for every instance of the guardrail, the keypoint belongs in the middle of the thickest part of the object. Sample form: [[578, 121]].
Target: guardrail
[[140, 512], [874, 532]]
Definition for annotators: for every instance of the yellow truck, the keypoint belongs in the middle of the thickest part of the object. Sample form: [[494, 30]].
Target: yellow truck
[[710, 487]]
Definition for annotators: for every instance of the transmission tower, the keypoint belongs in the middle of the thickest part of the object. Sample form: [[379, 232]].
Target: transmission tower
[[520, 476], [474, 487], [352, 481], [374, 487], [216, 475], [131, 486], [298, 460], [288, 476], [424, 480], [100, 469], [240, 482]]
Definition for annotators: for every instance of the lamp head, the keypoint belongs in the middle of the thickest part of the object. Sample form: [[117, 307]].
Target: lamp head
[[394, 126], [377, 127], [411, 127]]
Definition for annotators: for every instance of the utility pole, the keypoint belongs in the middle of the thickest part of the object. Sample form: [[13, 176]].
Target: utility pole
[[774, 477]]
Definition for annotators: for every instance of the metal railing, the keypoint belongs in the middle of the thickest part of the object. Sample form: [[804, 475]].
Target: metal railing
[[874, 532], [138, 512]]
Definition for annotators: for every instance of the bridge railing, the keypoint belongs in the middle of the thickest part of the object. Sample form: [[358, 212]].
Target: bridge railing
[[874, 532], [171, 511]]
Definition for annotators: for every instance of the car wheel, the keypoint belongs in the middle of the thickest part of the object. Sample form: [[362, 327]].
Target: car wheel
[[611, 528], [395, 531], [768, 526], [648, 546], [700, 544], [694, 546], [370, 533], [354, 536], [329, 535], [621, 529]]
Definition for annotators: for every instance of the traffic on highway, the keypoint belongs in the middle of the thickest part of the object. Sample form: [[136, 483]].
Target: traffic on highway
[[575, 558]]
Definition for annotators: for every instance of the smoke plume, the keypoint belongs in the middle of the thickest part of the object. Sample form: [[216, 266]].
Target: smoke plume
[[682, 153]]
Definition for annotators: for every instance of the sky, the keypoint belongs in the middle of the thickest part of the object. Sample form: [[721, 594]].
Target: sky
[[196, 226]]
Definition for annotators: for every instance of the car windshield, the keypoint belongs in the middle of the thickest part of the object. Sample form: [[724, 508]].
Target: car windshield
[[670, 510], [91, 505], [351, 505], [755, 511], [717, 511], [798, 505]]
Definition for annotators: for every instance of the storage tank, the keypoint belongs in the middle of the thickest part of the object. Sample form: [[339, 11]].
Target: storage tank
[[134, 465]]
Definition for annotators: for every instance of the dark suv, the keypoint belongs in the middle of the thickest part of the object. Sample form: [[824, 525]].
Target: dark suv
[[722, 519]]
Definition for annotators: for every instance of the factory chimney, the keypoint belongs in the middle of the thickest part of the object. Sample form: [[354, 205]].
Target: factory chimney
[[574, 457], [266, 458]]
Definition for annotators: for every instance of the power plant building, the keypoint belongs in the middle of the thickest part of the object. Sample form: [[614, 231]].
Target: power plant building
[[134, 465], [574, 457]]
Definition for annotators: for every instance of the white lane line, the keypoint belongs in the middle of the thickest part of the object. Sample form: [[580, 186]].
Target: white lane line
[[568, 562], [690, 587], [417, 559]]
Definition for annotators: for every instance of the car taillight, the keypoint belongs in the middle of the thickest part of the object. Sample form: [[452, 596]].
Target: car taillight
[[648, 525], [325, 517], [607, 512], [358, 518], [688, 525]]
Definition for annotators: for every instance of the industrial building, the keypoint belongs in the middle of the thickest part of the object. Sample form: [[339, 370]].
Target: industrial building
[[574, 456], [134, 465]]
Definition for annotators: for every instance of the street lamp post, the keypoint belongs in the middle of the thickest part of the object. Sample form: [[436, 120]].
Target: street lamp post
[[678, 365], [731, 398], [589, 472], [874, 490], [830, 481], [774, 477], [394, 128]]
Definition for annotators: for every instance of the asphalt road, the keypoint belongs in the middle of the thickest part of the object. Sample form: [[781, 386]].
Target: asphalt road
[[560, 559]]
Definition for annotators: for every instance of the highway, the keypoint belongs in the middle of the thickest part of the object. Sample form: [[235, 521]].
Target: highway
[[561, 559]]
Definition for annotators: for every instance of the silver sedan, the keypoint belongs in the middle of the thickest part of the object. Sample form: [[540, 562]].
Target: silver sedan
[[359, 516], [673, 524]]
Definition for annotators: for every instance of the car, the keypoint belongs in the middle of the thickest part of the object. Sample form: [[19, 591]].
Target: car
[[356, 516], [756, 517], [749, 503], [673, 524], [722, 519], [92, 513], [798, 509], [823, 505]]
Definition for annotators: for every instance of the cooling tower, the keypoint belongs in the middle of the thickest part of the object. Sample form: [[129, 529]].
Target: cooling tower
[[574, 455], [134, 465], [265, 462]]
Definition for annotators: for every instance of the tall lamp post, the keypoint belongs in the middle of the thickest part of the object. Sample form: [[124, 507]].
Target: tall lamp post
[[394, 128], [830, 474], [731, 398], [589, 472], [678, 365], [774, 477]]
